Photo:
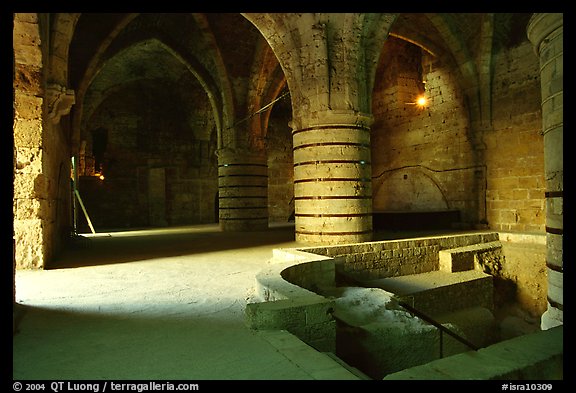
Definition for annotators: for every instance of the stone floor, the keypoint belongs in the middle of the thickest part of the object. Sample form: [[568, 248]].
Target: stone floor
[[164, 304], [156, 304]]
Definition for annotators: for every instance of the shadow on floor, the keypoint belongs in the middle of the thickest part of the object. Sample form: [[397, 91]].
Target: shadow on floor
[[143, 244]]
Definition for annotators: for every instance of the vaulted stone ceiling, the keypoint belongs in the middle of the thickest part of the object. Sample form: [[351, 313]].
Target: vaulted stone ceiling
[[111, 49], [203, 37], [231, 36]]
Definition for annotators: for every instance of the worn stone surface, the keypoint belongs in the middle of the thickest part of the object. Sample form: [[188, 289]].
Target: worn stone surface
[[546, 33], [537, 356]]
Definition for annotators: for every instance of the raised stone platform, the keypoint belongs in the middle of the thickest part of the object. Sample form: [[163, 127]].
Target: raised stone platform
[[440, 292], [444, 278], [475, 256]]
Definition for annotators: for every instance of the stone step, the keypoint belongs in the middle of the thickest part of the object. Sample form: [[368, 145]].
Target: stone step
[[439, 292], [481, 256]]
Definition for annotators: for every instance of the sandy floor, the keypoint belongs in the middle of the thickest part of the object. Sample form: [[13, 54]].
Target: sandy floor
[[149, 304]]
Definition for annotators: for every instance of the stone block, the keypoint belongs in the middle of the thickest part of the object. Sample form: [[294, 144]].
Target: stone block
[[456, 261], [28, 133], [310, 319], [467, 257]]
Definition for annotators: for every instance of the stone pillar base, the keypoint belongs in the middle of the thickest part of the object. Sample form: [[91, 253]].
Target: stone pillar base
[[551, 318]]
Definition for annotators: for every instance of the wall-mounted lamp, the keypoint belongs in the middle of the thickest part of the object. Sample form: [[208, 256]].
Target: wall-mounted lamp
[[99, 175], [421, 101]]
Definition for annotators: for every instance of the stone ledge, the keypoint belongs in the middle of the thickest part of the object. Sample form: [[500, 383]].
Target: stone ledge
[[310, 319], [536, 356], [464, 258], [294, 274], [285, 298], [320, 366]]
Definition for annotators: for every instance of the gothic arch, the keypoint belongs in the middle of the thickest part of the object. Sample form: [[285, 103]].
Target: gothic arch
[[194, 67]]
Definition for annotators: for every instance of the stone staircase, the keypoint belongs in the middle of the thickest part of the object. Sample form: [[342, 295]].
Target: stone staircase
[[439, 292], [461, 281], [460, 292], [382, 307]]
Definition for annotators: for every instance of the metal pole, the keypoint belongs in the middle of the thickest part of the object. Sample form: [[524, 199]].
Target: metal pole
[[74, 210], [84, 210]]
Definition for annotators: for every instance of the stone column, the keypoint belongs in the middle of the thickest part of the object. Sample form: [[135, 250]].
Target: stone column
[[242, 190], [332, 178], [545, 31]]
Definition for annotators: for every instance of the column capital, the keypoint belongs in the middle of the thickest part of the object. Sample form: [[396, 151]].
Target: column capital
[[541, 25], [333, 118], [229, 155], [60, 101]]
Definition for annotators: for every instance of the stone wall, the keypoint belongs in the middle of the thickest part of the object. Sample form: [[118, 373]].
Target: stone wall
[[28, 104], [280, 164], [29, 240], [159, 164], [514, 148], [57, 214], [284, 298], [524, 274], [41, 204], [374, 260], [519, 268], [422, 158]]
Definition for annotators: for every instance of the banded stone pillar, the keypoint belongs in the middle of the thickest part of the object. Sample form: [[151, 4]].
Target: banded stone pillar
[[332, 179], [545, 31], [242, 190]]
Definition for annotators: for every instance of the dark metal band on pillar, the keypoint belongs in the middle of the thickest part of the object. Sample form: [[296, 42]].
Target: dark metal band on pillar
[[332, 183], [243, 196], [554, 262]]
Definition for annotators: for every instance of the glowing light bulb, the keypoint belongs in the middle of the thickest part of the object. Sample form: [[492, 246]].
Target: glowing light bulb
[[421, 101], [101, 177]]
